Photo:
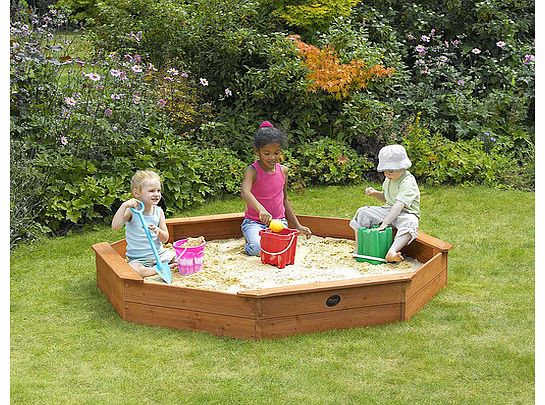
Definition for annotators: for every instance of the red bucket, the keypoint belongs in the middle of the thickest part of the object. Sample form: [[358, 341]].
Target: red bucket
[[278, 248]]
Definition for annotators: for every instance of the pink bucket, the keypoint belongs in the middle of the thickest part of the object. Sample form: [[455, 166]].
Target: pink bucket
[[190, 259]]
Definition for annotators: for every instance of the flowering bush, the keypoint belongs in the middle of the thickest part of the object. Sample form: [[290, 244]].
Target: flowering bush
[[80, 129]]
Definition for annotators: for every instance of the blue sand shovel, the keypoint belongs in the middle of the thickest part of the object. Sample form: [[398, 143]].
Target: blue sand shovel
[[163, 268]]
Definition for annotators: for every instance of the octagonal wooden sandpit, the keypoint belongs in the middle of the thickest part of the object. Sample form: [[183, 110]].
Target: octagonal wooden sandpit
[[271, 312]]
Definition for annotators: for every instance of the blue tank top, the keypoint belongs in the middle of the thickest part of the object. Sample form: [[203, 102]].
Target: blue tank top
[[138, 246]]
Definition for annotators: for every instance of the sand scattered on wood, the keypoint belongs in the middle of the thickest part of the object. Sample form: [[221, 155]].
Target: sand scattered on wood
[[227, 268]]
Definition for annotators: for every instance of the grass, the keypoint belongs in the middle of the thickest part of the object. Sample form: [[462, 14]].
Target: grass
[[472, 344]]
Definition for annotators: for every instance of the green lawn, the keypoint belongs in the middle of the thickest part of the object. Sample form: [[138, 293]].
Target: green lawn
[[472, 344]]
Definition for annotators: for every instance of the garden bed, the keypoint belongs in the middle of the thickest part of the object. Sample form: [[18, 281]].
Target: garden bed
[[391, 293]]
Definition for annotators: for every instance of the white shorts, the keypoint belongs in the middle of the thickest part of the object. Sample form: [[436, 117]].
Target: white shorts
[[368, 216], [167, 255]]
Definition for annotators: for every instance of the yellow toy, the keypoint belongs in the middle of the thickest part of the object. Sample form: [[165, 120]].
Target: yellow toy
[[276, 226]]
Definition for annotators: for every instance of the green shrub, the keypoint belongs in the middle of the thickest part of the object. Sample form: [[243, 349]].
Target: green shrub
[[326, 161], [437, 160]]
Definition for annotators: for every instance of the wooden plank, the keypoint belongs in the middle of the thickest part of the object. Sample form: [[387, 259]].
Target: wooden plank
[[438, 244], [222, 325], [317, 302], [426, 273], [346, 318], [425, 294], [120, 247], [418, 251], [214, 302], [327, 226], [212, 227], [326, 285], [116, 262], [110, 284]]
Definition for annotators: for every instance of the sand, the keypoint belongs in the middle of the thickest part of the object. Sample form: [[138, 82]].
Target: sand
[[227, 268]]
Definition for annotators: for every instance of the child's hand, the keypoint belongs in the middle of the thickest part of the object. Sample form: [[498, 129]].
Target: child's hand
[[154, 229], [265, 217], [305, 230], [382, 227], [132, 203], [370, 191]]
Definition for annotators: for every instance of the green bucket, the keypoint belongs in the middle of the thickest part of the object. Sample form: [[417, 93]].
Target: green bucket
[[373, 244]]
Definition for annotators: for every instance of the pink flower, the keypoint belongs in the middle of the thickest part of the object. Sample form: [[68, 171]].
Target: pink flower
[[108, 112], [228, 93], [137, 69], [203, 81], [184, 74], [420, 49], [425, 38], [500, 44], [461, 82], [172, 71], [161, 102], [63, 140], [476, 51], [528, 59], [115, 72], [116, 96]]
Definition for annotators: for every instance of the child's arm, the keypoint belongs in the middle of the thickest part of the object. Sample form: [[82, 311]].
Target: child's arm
[[247, 196], [290, 215], [161, 231], [392, 214], [375, 193], [123, 213]]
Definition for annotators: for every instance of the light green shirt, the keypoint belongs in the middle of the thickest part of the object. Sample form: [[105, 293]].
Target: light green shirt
[[405, 190]]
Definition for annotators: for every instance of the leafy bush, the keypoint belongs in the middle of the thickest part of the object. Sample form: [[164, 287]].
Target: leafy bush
[[326, 161], [437, 160]]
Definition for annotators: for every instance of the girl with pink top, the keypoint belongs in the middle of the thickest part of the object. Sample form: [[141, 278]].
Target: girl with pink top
[[265, 189]]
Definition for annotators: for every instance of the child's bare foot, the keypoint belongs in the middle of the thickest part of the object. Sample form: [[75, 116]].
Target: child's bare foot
[[172, 265], [143, 270], [394, 257]]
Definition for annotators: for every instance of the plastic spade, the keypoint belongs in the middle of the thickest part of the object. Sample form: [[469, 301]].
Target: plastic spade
[[163, 268]]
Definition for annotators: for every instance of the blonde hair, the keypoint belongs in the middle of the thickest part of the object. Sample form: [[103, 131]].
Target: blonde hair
[[141, 176]]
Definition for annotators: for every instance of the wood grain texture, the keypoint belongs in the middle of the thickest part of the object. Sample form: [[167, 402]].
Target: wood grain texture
[[221, 325], [214, 302], [346, 318], [223, 226], [414, 303], [317, 302]]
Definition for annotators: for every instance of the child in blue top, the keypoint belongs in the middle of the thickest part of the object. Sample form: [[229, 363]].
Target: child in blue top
[[401, 196], [145, 187], [265, 189]]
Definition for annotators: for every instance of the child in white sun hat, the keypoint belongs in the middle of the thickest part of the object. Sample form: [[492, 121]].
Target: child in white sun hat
[[401, 196]]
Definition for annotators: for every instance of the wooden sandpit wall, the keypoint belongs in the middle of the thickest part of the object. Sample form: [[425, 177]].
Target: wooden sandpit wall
[[271, 312]]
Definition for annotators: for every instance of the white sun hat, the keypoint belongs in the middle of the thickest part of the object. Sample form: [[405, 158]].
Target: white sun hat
[[393, 157]]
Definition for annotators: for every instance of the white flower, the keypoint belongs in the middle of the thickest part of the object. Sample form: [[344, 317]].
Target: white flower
[[476, 51], [203, 81], [93, 76]]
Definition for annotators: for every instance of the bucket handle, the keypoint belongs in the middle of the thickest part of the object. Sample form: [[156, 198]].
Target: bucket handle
[[380, 259], [179, 255], [279, 253]]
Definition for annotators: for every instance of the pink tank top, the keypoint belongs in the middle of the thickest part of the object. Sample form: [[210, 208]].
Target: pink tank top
[[268, 189]]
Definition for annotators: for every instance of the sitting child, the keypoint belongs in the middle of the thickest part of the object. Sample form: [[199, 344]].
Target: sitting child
[[402, 198], [145, 187]]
